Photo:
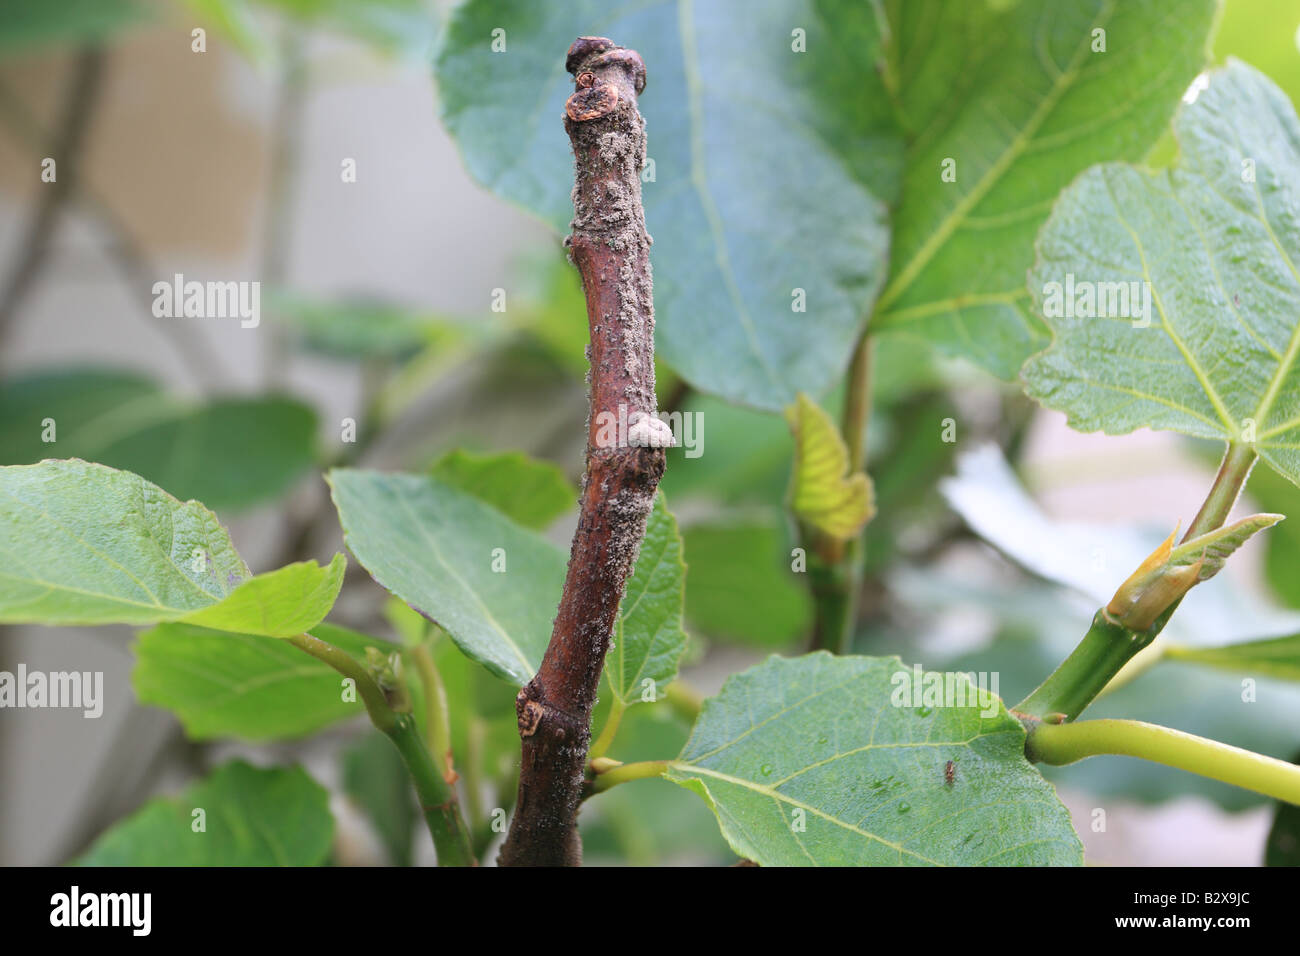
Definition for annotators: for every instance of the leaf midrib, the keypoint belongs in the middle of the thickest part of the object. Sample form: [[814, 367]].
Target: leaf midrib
[[687, 768], [478, 598], [928, 249], [695, 122], [44, 513]]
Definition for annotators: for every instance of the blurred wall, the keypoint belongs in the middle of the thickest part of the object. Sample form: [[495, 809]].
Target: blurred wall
[[180, 151]]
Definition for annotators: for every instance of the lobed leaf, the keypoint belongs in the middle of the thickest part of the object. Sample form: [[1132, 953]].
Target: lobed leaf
[[1214, 244], [1017, 99]]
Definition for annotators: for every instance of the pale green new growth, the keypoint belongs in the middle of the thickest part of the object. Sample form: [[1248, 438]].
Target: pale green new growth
[[1213, 549], [824, 494], [280, 603]]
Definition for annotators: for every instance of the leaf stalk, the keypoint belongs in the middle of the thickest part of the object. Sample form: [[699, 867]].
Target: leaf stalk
[[1065, 743], [437, 797]]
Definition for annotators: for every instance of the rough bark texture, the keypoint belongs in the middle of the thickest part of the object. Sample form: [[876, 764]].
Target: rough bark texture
[[611, 249]]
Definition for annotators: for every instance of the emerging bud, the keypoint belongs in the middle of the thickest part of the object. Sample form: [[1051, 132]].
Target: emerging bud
[[385, 669], [1152, 589], [1168, 573]]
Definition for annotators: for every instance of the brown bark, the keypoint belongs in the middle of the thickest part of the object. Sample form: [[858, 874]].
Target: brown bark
[[611, 249]]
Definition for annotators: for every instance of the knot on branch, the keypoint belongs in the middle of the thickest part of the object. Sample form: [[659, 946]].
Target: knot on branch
[[533, 713], [605, 75]]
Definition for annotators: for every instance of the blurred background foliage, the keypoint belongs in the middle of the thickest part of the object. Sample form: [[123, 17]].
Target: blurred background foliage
[[247, 425]]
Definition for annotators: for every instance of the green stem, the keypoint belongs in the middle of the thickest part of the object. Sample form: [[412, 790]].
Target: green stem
[[437, 715], [607, 734], [1238, 460], [372, 695], [1108, 645], [834, 567], [857, 403], [642, 770], [684, 699], [1066, 743], [832, 580], [1083, 675], [437, 797]]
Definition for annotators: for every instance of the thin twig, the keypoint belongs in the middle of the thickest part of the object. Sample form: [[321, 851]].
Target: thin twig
[[286, 129], [835, 567], [437, 796], [125, 250], [65, 150], [611, 249]]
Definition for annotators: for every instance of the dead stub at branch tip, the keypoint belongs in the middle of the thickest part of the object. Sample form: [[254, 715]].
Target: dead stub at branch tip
[[605, 75]]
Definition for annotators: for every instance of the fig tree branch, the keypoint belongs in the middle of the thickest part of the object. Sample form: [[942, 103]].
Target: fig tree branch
[[611, 250]]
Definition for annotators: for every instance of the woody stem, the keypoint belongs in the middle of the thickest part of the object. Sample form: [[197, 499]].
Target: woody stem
[[611, 249]]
